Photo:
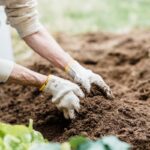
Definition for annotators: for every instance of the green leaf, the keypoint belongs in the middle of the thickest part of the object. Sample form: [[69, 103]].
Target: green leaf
[[44, 146], [113, 143], [76, 141], [2, 147], [18, 137], [90, 145], [65, 146]]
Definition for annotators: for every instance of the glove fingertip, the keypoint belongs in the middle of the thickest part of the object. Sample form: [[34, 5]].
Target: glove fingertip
[[110, 95], [82, 95], [77, 108], [71, 114], [66, 115], [88, 89], [86, 85]]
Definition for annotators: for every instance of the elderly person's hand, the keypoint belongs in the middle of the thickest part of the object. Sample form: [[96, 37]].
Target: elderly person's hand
[[65, 95]]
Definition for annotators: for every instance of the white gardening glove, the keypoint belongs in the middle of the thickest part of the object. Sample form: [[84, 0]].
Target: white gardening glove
[[65, 95], [86, 78]]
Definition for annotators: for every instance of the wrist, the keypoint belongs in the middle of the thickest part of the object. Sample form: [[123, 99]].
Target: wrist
[[68, 66], [41, 80], [64, 61], [44, 84], [24, 76]]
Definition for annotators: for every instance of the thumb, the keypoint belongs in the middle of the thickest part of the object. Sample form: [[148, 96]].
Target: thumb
[[87, 85], [79, 92]]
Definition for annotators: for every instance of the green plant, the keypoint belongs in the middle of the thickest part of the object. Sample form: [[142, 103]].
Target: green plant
[[20, 137]]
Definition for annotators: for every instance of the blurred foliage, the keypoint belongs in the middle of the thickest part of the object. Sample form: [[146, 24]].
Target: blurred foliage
[[21, 137], [75, 16], [78, 16]]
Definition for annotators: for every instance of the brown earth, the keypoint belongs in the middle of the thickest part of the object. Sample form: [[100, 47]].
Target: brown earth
[[123, 61]]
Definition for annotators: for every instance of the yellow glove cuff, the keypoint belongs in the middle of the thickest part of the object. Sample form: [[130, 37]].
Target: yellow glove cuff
[[44, 84], [67, 67]]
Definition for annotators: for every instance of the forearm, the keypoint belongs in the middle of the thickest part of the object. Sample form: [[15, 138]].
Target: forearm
[[44, 44], [24, 76]]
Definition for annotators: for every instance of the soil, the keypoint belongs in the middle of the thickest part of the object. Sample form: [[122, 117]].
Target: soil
[[124, 63]]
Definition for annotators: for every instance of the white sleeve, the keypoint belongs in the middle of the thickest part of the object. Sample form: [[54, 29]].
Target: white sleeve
[[23, 15], [6, 68]]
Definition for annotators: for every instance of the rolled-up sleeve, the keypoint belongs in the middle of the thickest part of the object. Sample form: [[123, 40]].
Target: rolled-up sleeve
[[23, 15]]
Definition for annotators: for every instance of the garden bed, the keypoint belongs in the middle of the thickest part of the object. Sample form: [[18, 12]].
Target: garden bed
[[123, 61]]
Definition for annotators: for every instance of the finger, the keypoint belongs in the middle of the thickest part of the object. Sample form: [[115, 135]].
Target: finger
[[79, 92], [109, 93], [87, 85], [56, 98], [77, 107], [103, 86], [106, 89], [71, 114], [66, 114], [76, 104]]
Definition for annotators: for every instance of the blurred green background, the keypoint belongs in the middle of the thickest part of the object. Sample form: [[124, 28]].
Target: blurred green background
[[80, 16], [75, 16]]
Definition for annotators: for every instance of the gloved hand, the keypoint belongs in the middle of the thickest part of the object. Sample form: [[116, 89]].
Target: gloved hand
[[86, 78], [65, 95]]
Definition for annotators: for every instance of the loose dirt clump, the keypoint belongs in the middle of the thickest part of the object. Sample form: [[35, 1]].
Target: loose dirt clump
[[123, 61]]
